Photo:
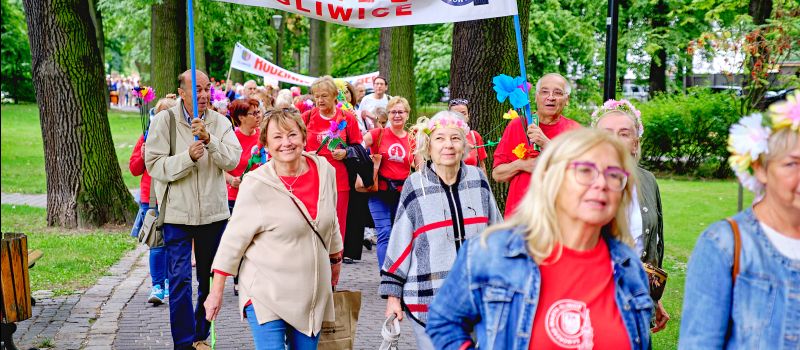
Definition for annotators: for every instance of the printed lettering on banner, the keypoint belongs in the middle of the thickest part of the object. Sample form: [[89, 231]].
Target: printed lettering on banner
[[390, 13]]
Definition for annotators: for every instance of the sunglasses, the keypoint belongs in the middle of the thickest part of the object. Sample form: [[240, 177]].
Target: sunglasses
[[459, 102]]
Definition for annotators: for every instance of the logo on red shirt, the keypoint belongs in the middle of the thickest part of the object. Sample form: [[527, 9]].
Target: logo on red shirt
[[568, 325], [396, 152]]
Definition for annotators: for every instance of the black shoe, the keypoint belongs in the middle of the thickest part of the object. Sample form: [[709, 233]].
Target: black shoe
[[367, 244], [348, 261], [236, 290]]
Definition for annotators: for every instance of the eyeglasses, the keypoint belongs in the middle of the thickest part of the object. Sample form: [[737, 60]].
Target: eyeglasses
[[555, 93], [253, 114], [397, 112], [586, 173], [459, 102]]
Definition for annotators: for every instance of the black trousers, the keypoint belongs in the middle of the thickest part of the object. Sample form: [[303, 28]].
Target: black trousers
[[358, 217]]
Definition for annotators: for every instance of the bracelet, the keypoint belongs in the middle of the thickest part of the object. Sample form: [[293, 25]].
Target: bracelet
[[336, 260]]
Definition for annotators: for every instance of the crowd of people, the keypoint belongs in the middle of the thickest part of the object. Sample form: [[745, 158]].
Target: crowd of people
[[259, 188]]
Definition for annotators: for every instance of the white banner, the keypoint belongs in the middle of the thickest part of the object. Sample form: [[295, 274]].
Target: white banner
[[245, 60], [390, 13]]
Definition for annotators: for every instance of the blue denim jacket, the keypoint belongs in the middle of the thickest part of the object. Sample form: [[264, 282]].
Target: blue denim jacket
[[493, 290], [761, 311]]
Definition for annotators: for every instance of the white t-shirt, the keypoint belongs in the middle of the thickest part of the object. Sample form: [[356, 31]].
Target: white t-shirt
[[635, 217], [789, 247], [369, 103]]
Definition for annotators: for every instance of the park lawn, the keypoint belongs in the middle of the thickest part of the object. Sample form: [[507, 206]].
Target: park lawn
[[73, 259], [22, 150], [689, 207]]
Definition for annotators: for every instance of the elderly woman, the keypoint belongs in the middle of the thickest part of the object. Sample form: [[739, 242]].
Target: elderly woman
[[442, 205], [324, 122], [622, 119], [246, 118], [288, 265], [743, 282], [559, 273], [477, 154], [393, 145]]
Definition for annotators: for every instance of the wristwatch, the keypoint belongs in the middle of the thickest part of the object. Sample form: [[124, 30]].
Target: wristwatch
[[336, 260]]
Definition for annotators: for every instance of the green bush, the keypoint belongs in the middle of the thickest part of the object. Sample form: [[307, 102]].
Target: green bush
[[687, 134]]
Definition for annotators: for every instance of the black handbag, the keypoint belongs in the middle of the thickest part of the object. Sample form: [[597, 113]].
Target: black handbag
[[359, 163]]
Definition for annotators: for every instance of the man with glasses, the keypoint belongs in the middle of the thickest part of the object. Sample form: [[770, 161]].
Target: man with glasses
[[379, 98], [552, 95]]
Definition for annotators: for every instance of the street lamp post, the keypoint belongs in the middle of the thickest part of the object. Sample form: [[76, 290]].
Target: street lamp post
[[277, 23], [610, 80]]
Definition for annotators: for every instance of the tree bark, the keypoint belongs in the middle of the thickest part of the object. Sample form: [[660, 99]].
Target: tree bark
[[97, 21], [385, 52], [84, 181], [401, 71], [760, 10], [482, 50], [167, 45], [318, 52], [658, 61]]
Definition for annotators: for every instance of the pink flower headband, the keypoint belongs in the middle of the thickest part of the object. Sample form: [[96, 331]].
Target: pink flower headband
[[623, 106], [445, 121]]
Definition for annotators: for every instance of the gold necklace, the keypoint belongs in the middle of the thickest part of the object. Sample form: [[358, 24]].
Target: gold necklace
[[290, 187]]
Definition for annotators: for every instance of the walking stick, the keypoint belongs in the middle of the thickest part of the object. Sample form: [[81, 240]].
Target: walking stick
[[213, 331]]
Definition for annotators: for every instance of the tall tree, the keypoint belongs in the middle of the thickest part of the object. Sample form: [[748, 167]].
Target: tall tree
[[385, 51], [760, 10], [658, 61], [401, 68], [481, 50], [15, 51], [318, 53], [167, 45], [84, 181]]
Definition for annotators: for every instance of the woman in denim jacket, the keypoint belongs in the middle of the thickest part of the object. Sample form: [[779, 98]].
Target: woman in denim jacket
[[758, 308], [560, 272]]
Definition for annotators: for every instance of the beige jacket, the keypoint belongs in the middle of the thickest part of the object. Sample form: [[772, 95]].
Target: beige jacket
[[197, 195], [285, 270]]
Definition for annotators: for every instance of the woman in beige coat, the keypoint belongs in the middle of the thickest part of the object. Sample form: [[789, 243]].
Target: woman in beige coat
[[285, 233]]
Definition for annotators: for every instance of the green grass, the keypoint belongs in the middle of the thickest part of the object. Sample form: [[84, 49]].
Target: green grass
[[72, 260], [689, 207], [22, 151]]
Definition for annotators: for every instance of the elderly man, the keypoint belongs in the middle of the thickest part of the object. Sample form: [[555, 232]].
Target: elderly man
[[195, 206], [250, 88], [552, 94]]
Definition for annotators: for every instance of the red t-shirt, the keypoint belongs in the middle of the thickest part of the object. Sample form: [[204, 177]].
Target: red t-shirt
[[476, 154], [136, 166], [398, 155], [577, 309], [318, 127], [306, 187], [247, 143], [512, 137]]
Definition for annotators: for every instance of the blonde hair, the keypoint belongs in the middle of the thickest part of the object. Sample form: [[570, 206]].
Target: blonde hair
[[536, 213], [398, 100], [325, 83], [381, 113], [424, 139], [779, 143], [165, 103], [283, 118]]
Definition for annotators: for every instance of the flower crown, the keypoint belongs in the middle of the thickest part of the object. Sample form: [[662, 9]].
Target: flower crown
[[749, 138], [623, 106], [445, 122]]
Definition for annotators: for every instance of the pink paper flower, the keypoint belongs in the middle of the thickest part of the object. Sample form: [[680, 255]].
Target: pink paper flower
[[787, 113]]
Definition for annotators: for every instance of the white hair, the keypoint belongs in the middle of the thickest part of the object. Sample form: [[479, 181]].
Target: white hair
[[567, 86]]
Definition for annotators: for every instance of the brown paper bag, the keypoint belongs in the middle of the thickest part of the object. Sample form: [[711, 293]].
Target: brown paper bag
[[341, 334]]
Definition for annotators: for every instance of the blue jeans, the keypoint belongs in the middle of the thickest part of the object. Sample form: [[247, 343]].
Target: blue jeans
[[158, 256], [276, 335], [383, 207], [189, 325]]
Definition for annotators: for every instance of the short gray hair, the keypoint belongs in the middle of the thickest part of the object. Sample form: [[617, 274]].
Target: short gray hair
[[567, 86]]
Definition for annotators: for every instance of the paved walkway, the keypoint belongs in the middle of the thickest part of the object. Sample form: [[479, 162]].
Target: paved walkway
[[39, 200]]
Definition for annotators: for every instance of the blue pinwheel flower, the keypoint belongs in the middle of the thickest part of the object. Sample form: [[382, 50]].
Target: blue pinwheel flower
[[509, 88]]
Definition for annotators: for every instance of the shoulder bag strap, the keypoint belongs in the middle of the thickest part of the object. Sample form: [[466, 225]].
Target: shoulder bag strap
[[378, 145], [737, 248], [309, 222], [163, 203]]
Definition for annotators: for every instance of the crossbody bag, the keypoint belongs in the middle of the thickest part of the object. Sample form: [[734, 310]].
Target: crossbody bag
[[152, 231]]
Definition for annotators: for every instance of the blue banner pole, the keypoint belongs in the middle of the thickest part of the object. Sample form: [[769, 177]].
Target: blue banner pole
[[524, 75], [190, 20]]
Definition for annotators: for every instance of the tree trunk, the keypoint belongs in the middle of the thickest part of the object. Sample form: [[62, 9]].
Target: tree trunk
[[401, 72], [167, 45], [658, 61], [385, 52], [84, 181], [97, 21], [760, 10], [318, 53], [482, 50]]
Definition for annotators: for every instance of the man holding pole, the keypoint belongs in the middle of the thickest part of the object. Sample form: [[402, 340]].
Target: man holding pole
[[195, 206], [552, 95]]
